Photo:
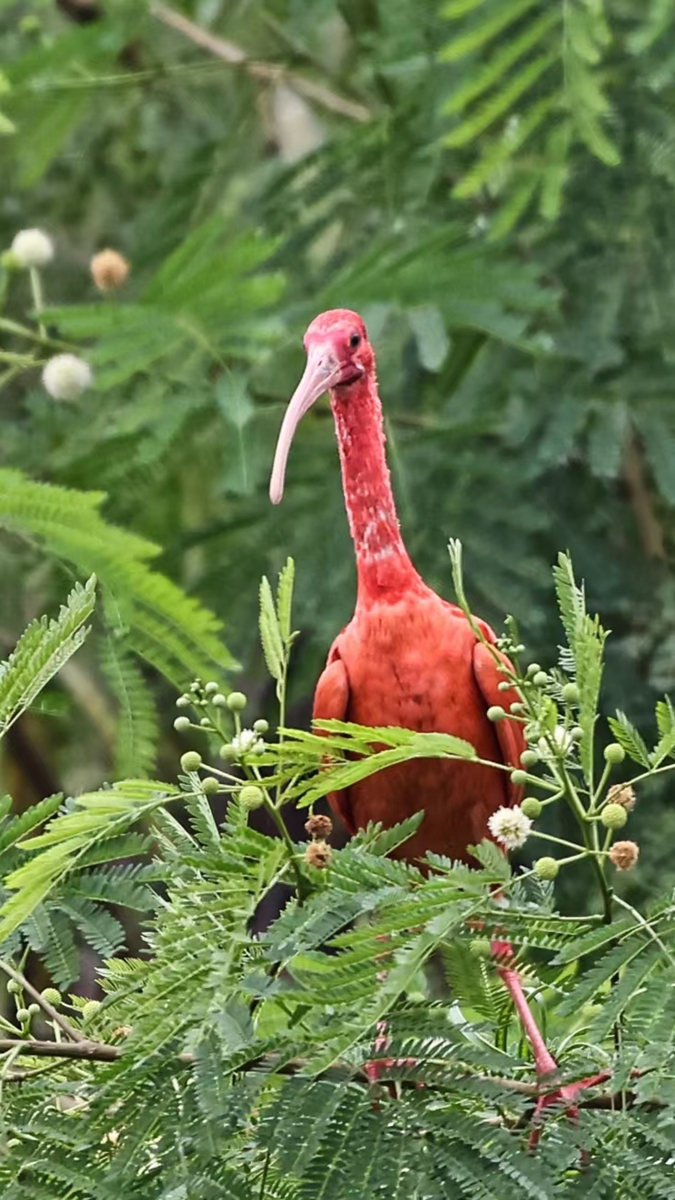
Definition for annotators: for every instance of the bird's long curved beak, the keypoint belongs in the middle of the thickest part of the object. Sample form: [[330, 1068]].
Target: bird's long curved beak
[[321, 373]]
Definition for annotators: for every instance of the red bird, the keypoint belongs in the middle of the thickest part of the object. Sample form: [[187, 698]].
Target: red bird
[[407, 658]]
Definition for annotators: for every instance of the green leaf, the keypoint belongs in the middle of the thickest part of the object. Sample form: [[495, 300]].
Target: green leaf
[[501, 15], [41, 651], [270, 633], [585, 639], [137, 726], [67, 839], [167, 628], [285, 599], [628, 736]]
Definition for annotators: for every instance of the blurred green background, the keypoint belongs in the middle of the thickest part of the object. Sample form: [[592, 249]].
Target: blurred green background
[[489, 183]]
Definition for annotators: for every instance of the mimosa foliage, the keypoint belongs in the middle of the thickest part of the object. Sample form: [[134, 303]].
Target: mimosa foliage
[[62, 904], [254, 1050]]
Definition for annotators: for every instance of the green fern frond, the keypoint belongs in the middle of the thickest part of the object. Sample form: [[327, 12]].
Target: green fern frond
[[41, 651], [171, 630], [137, 727], [530, 69]]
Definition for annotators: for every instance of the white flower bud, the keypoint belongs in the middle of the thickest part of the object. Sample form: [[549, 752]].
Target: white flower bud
[[66, 376], [32, 248]]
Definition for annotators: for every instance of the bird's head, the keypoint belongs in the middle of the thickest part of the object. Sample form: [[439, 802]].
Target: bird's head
[[338, 356]]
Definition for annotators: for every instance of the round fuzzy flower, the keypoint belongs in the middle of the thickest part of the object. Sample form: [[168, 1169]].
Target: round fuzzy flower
[[319, 826], [32, 248], [247, 741], [66, 376], [624, 855], [623, 794], [319, 855], [90, 1009], [510, 826], [108, 270]]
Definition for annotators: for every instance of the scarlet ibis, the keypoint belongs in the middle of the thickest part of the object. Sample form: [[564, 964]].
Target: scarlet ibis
[[407, 658]]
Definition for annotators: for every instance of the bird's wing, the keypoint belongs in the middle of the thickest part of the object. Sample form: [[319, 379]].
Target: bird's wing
[[331, 701], [509, 733]]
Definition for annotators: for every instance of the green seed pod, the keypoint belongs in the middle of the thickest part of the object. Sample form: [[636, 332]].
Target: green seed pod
[[52, 996], [533, 669], [519, 777], [531, 807], [33, 1009], [495, 713], [546, 868], [570, 693], [236, 701], [191, 760], [219, 700], [251, 796], [226, 750], [503, 686], [90, 1009], [13, 987], [480, 947], [614, 816], [210, 785], [22, 1015], [517, 708], [183, 702], [181, 724], [211, 688], [261, 725], [540, 679], [529, 757], [614, 753], [205, 722], [576, 733]]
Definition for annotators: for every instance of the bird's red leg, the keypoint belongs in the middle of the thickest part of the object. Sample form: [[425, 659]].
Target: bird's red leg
[[544, 1062]]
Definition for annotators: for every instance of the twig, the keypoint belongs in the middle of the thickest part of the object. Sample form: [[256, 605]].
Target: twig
[[86, 1049], [92, 1051], [230, 52], [649, 526], [47, 1008]]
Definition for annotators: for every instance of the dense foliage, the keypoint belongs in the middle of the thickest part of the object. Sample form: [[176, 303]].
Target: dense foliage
[[221, 1063]]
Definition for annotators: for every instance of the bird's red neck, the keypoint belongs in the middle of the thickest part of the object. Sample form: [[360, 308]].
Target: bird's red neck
[[382, 560]]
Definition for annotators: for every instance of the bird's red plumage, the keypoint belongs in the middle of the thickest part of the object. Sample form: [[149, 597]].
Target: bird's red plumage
[[407, 657], [415, 663]]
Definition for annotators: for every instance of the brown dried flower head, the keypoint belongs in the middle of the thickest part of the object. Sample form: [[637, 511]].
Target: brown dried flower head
[[624, 855], [319, 855], [109, 270], [319, 826], [623, 794]]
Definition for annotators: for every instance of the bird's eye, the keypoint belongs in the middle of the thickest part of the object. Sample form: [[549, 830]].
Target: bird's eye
[[355, 340]]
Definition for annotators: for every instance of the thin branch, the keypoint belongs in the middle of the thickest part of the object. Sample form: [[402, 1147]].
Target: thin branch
[[84, 1049], [90, 1051], [231, 53], [649, 526], [47, 1008]]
